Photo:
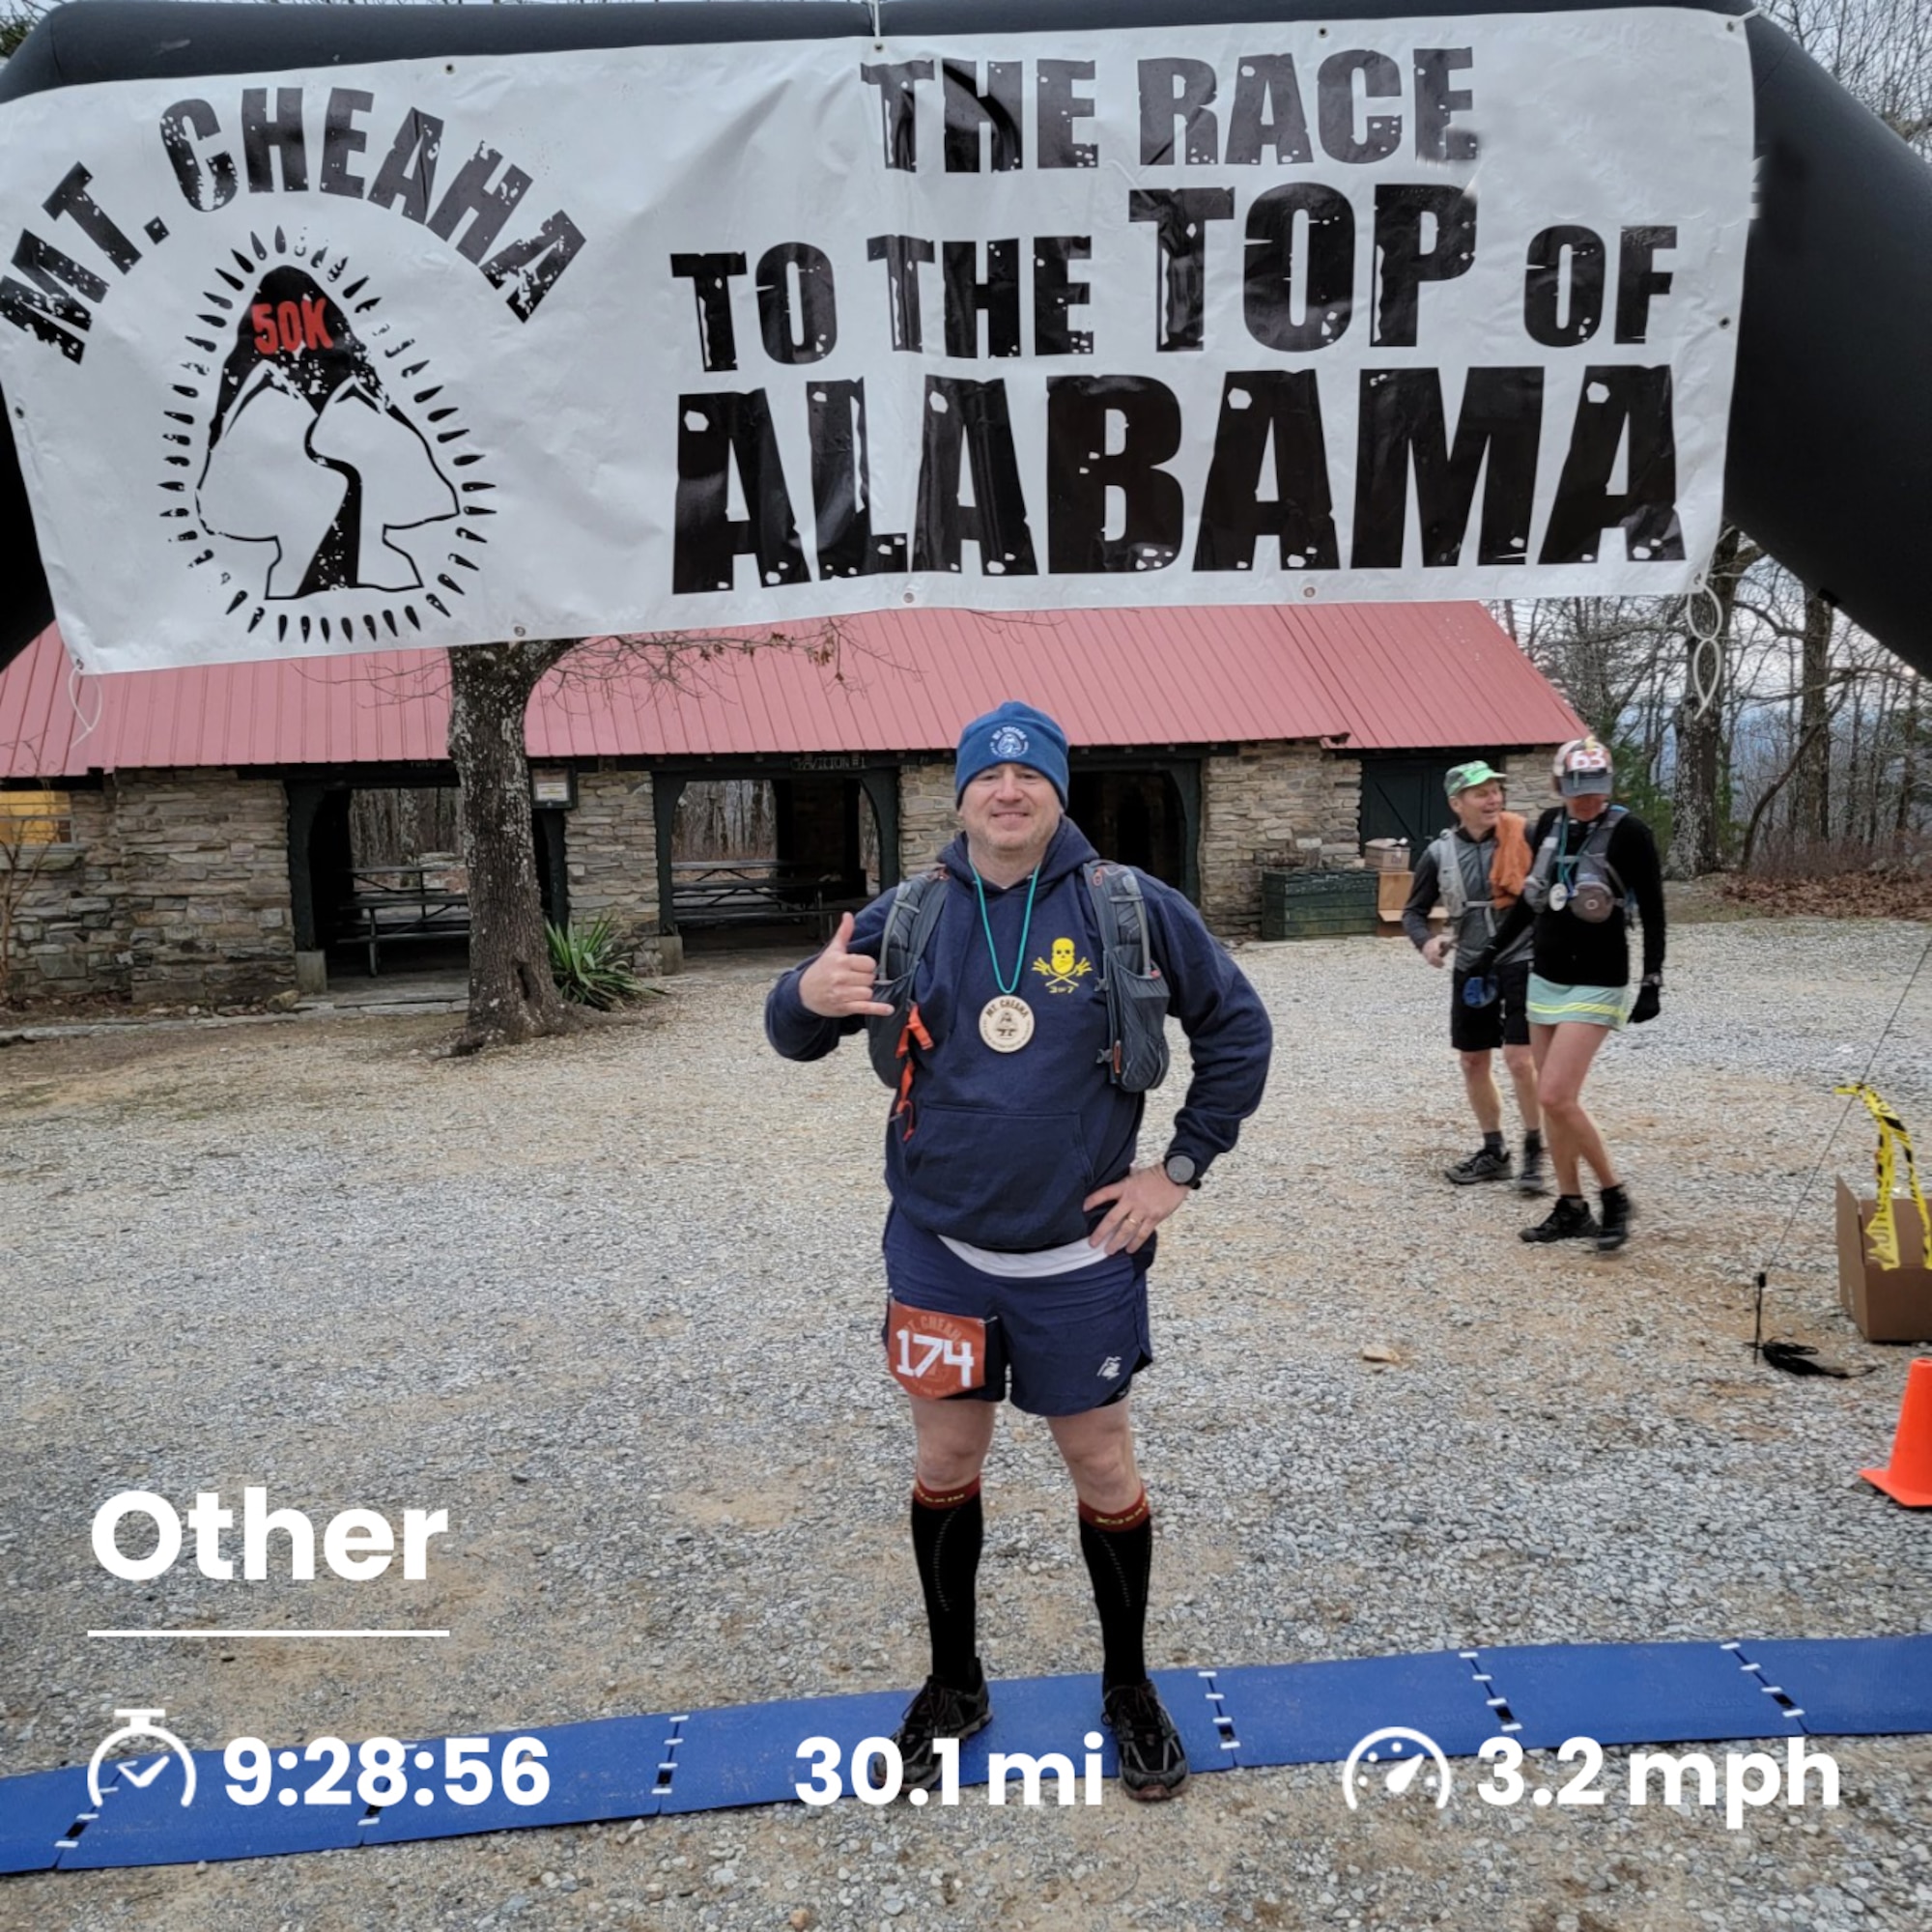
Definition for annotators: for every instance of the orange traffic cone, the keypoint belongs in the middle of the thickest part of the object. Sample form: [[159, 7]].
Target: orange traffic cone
[[1908, 1478]]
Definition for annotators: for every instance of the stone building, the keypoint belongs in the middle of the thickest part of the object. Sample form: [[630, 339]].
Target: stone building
[[190, 829]]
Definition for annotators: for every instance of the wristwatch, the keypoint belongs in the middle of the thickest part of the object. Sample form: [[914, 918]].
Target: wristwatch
[[1653, 979], [1183, 1169]]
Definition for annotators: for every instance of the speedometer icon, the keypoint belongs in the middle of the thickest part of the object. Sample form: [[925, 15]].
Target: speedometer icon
[[1397, 1761]]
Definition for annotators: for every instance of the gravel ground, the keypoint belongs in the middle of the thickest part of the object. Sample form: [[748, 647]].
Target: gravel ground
[[611, 1301]]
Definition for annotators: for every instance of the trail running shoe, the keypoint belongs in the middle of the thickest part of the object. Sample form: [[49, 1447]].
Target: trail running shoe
[[1614, 1228], [1534, 1177], [1153, 1762], [938, 1711], [1570, 1220], [1484, 1164]]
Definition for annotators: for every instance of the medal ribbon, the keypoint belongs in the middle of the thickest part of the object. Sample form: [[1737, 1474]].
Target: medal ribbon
[[1019, 961]]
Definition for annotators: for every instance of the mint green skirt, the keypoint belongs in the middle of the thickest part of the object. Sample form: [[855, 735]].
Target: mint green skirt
[[1551, 1005]]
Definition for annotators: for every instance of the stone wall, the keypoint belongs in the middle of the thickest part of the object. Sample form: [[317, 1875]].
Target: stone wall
[[174, 890], [1528, 788], [610, 856], [69, 932], [928, 822], [203, 871], [1269, 805]]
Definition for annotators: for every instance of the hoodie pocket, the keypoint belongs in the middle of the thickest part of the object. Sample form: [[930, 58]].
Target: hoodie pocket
[[1001, 1179]]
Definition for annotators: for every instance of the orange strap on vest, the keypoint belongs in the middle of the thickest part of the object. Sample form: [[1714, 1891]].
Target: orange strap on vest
[[913, 1030]]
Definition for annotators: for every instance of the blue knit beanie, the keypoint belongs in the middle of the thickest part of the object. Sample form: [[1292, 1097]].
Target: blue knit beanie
[[1015, 734]]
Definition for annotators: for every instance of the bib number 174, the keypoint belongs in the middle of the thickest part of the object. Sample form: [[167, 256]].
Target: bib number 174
[[934, 1354], [934, 1350]]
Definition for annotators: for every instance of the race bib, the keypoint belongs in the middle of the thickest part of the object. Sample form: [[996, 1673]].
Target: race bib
[[933, 1354]]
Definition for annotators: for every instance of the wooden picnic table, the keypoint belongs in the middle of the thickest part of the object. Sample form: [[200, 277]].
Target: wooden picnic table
[[391, 902], [757, 891]]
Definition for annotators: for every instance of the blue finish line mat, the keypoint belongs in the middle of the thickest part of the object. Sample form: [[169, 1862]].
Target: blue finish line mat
[[1251, 1715]]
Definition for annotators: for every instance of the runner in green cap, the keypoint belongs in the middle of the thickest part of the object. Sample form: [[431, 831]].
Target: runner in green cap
[[1476, 870]]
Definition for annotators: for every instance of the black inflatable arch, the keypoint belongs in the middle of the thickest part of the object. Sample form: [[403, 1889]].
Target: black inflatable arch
[[1831, 435]]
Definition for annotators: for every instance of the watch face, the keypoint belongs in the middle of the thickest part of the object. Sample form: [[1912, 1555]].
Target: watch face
[[1180, 1169]]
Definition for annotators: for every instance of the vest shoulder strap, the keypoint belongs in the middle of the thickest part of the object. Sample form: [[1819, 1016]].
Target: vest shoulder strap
[[917, 903], [1137, 993], [1449, 876], [1119, 907], [1597, 844]]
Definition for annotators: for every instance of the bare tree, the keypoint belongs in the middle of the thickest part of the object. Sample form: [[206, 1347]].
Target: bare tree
[[1698, 794], [513, 996], [1812, 807], [18, 19], [29, 830], [1878, 51]]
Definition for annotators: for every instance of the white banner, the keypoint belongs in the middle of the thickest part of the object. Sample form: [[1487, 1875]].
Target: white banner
[[655, 339]]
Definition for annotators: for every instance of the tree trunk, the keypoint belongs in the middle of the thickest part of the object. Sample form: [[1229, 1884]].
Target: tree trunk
[[1908, 776], [1812, 805], [512, 995], [1696, 828]]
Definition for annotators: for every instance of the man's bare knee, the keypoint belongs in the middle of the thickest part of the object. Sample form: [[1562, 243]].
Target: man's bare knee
[[948, 1469], [951, 1443], [1099, 1457]]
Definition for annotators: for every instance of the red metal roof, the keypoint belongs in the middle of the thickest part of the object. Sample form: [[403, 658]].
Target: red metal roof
[[1380, 676]]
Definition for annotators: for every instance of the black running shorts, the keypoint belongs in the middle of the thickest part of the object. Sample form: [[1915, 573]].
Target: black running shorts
[[1503, 1022]]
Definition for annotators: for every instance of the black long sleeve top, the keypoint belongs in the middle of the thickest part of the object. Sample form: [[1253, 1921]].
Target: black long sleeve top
[[1570, 951]]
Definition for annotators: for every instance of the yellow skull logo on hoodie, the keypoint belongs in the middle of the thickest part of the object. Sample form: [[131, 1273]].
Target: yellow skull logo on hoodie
[[1062, 969]]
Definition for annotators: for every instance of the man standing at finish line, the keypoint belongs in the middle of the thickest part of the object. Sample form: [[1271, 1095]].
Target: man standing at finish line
[[1477, 870], [1020, 1230]]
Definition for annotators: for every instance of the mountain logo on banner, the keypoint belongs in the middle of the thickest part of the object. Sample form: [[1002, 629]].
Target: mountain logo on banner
[[315, 463]]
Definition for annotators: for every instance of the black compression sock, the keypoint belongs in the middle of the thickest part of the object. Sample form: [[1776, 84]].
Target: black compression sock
[[948, 1530], [1119, 1550]]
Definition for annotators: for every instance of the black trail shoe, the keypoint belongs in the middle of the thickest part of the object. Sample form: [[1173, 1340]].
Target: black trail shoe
[[1570, 1220], [1614, 1228], [1534, 1177], [1484, 1164], [1153, 1762], [938, 1711]]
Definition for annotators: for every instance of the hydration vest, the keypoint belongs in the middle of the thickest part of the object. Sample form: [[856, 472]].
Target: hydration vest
[[1594, 890], [1136, 1054], [1453, 889]]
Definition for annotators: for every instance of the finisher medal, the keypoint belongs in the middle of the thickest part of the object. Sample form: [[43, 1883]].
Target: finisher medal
[[1559, 897], [1006, 1023]]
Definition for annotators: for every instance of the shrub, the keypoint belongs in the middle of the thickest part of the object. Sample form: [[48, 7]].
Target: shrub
[[587, 963]]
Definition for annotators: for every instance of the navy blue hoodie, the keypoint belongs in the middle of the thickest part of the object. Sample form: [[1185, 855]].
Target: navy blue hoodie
[[1004, 1148]]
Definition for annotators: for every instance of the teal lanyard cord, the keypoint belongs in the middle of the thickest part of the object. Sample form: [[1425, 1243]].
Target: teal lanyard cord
[[1567, 861], [1019, 961]]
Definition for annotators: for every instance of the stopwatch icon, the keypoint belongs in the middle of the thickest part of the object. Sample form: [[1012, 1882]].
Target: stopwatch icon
[[1398, 1761], [144, 1723]]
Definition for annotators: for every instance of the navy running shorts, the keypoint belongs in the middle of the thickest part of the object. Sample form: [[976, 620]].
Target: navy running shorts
[[1066, 1342]]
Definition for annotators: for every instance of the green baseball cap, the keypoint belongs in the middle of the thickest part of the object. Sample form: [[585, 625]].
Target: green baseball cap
[[1462, 777]]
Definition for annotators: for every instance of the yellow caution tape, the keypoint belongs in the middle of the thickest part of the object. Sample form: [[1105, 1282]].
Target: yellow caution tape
[[1882, 1236]]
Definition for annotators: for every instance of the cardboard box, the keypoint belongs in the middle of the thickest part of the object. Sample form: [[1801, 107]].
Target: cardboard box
[[1888, 1304], [1392, 891]]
